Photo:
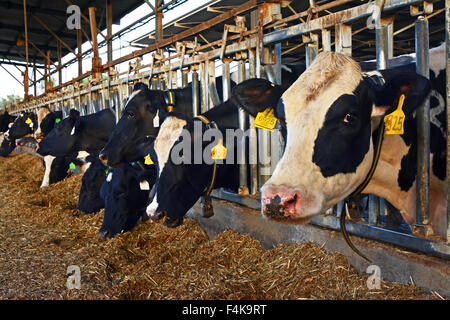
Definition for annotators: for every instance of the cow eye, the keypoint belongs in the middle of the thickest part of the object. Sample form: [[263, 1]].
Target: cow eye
[[350, 118], [130, 115]]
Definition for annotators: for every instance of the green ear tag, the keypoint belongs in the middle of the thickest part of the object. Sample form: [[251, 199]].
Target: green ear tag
[[57, 120], [106, 171], [72, 166]]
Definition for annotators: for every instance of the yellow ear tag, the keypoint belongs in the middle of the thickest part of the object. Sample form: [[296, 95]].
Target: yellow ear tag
[[394, 121], [28, 121], [266, 119], [219, 152], [147, 160]]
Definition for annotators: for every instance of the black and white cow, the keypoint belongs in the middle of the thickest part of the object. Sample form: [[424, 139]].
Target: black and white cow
[[5, 120], [180, 185], [89, 200], [78, 134], [56, 168], [333, 112], [125, 193], [25, 124], [7, 147], [144, 112]]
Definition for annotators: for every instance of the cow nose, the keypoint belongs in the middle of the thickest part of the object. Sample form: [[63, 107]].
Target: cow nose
[[104, 234], [103, 158], [272, 206]]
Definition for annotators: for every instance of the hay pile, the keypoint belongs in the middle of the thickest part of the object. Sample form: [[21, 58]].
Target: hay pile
[[41, 234]]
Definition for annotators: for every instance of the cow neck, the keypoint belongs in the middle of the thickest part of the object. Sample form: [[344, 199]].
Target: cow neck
[[376, 156]]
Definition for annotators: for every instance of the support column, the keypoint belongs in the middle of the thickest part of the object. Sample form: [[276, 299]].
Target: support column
[[344, 39], [109, 29], [195, 91], [96, 61], [243, 174], [79, 57]]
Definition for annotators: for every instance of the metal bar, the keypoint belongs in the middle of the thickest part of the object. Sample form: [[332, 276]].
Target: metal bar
[[326, 39], [195, 93], [109, 29], [79, 54], [26, 83], [11, 75], [242, 116], [423, 127], [53, 33], [212, 91], [276, 139], [253, 139], [344, 39], [184, 77]]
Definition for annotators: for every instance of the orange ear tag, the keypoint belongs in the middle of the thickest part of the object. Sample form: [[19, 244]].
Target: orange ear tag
[[219, 152], [394, 121]]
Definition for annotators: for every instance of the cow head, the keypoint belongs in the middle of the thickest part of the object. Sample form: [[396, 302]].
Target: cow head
[[138, 120], [47, 123], [25, 124], [89, 200], [125, 201], [5, 120], [180, 185], [331, 111], [7, 147], [62, 139]]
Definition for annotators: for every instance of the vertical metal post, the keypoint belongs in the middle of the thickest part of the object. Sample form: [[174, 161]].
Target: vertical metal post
[[423, 127], [447, 43], [60, 80], [184, 77], [226, 78], [204, 87], [253, 142], [34, 78], [326, 39], [79, 57], [276, 139], [382, 47], [154, 82], [109, 29], [344, 39], [195, 92], [26, 82], [213, 96], [243, 185]]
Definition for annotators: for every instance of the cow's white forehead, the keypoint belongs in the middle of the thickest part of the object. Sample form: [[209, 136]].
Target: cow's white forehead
[[168, 134]]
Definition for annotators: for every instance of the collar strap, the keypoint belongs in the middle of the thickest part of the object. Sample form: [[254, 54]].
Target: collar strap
[[169, 98], [213, 178], [362, 186]]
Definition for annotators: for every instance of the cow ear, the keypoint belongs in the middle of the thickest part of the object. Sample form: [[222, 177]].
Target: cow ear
[[74, 113], [256, 95], [140, 86], [413, 86]]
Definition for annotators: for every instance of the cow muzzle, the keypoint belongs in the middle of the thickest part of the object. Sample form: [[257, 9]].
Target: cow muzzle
[[289, 204]]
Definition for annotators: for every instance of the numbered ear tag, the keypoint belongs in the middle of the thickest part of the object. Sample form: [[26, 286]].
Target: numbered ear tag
[[147, 160], [394, 121], [144, 185], [266, 119], [156, 119], [28, 121], [219, 152], [57, 120], [72, 166]]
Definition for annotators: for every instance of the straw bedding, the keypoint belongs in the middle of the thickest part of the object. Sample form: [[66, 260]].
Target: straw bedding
[[41, 234]]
